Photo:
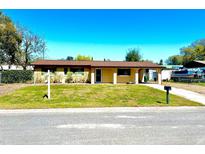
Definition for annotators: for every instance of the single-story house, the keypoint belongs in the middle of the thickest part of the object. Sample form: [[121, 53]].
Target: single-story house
[[100, 71], [196, 68]]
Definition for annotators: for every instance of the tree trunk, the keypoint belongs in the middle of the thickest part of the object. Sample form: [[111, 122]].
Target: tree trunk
[[1, 68], [24, 67]]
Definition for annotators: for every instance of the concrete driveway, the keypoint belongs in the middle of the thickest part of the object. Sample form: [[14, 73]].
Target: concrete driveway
[[187, 86], [165, 125], [190, 95]]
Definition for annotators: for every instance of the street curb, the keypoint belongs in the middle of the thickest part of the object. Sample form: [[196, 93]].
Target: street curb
[[101, 110]]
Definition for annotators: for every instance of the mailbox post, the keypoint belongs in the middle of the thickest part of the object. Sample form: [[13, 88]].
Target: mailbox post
[[167, 88]]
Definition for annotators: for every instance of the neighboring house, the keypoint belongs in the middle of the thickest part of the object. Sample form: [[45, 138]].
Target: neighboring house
[[14, 67], [166, 72], [100, 71], [193, 71]]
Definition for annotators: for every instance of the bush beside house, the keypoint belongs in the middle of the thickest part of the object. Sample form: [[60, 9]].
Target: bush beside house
[[16, 76], [70, 77], [77, 77]]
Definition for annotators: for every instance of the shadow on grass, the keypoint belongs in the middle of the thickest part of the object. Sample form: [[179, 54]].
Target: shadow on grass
[[159, 102]]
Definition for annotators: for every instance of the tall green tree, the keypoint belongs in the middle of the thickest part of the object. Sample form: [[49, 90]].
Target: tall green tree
[[161, 62], [69, 58], [2, 60], [10, 41], [83, 57], [195, 51], [199, 52], [187, 54], [175, 60], [133, 54]]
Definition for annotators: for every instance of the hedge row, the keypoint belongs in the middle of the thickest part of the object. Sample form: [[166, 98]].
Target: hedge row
[[16, 76]]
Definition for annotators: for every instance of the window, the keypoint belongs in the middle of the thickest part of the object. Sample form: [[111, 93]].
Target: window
[[123, 72], [74, 70], [65, 70]]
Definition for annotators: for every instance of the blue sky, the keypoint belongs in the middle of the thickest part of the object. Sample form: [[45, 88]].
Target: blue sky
[[109, 33]]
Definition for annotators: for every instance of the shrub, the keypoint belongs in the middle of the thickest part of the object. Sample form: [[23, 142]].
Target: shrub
[[85, 77], [146, 78], [40, 79], [16, 76], [54, 78], [45, 76], [69, 77], [81, 77], [78, 77], [57, 78]]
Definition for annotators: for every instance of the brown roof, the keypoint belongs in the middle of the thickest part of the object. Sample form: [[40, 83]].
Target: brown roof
[[195, 64], [144, 64]]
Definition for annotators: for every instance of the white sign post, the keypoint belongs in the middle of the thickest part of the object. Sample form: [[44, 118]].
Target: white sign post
[[49, 89]]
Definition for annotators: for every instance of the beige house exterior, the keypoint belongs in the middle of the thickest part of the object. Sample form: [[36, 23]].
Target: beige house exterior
[[100, 71]]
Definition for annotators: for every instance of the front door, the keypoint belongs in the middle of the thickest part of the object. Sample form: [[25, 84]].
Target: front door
[[98, 75]]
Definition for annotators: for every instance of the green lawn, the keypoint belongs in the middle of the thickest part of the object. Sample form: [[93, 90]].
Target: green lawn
[[64, 96]]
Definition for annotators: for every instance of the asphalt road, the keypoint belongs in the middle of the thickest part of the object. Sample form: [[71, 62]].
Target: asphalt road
[[104, 126]]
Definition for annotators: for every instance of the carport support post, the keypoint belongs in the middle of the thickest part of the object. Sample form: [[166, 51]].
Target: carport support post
[[137, 77], [92, 76], [159, 76], [115, 76], [49, 90], [143, 75]]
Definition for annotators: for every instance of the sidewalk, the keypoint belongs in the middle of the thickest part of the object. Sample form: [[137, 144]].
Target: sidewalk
[[193, 96]]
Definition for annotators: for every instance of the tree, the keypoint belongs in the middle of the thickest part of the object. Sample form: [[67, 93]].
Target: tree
[[2, 60], [32, 47], [133, 55], [10, 41], [69, 58], [161, 62], [83, 57], [199, 53], [175, 60], [106, 59], [195, 51]]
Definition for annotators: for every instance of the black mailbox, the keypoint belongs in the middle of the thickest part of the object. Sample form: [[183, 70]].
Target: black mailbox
[[167, 88]]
